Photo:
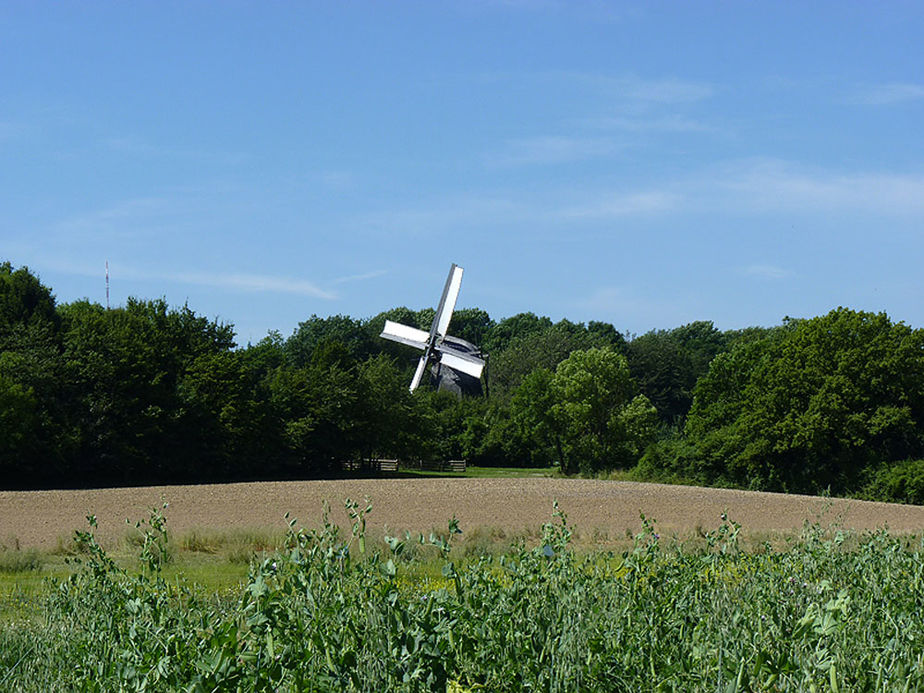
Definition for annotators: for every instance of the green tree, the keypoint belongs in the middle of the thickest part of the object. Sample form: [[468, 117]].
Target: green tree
[[24, 301], [543, 348], [225, 418], [472, 325], [389, 416], [315, 332], [664, 373], [667, 363], [19, 421], [123, 370], [603, 423], [33, 424], [319, 408], [515, 327], [811, 407], [533, 435]]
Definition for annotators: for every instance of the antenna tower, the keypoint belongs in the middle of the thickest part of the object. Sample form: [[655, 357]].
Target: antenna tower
[[107, 284]]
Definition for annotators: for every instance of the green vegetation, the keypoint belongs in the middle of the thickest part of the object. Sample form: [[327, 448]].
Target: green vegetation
[[146, 393], [822, 404], [330, 612]]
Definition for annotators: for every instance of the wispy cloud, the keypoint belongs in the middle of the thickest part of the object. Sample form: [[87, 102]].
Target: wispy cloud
[[672, 123], [750, 187], [644, 91], [592, 10], [138, 206], [10, 130], [251, 283], [429, 217], [664, 91], [359, 277], [631, 105], [553, 149], [890, 93], [617, 303], [237, 281], [339, 180], [765, 271], [618, 205], [138, 147], [126, 217], [766, 185]]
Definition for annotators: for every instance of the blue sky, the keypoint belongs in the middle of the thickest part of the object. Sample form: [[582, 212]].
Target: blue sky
[[646, 164]]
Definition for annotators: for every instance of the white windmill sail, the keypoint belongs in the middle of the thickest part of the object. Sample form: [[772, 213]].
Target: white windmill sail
[[411, 336], [418, 374], [463, 362], [438, 347], [448, 300]]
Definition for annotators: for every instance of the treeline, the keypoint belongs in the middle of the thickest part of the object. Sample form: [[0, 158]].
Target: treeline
[[148, 393]]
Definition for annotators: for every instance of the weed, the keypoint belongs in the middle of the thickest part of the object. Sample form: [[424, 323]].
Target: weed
[[19, 560]]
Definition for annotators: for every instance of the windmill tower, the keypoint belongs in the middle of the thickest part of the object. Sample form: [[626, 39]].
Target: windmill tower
[[451, 359]]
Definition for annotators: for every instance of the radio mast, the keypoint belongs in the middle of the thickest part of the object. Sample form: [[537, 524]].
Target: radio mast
[[107, 284]]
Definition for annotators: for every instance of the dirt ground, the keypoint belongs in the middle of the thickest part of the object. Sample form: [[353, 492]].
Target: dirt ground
[[602, 509]]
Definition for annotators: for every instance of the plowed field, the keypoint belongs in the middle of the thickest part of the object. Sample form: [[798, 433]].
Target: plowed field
[[602, 509]]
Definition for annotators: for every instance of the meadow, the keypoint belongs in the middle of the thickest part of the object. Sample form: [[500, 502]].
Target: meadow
[[343, 607]]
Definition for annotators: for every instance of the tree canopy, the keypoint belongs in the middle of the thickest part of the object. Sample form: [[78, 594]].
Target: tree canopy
[[812, 407], [146, 392]]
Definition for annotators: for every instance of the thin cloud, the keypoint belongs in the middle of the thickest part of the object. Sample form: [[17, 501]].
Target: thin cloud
[[244, 282], [339, 180], [748, 187], [770, 185], [618, 303], [765, 271], [10, 130], [665, 91], [137, 147], [664, 124], [613, 206], [253, 283], [642, 91], [444, 214], [133, 210], [359, 277], [554, 149], [139, 206], [889, 94]]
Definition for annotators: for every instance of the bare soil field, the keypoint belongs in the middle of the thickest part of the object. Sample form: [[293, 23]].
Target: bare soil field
[[605, 510]]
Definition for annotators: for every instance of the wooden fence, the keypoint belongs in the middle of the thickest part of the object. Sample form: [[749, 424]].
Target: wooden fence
[[394, 465], [436, 465]]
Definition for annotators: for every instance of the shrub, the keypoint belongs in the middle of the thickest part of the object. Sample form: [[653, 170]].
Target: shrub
[[899, 482]]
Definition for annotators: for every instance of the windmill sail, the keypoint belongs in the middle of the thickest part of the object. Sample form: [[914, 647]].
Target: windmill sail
[[448, 300], [418, 374], [411, 336], [438, 347], [463, 362]]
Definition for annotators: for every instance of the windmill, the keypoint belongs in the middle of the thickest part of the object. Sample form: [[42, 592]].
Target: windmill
[[440, 350]]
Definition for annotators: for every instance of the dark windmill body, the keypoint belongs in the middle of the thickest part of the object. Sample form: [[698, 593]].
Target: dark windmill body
[[455, 364]]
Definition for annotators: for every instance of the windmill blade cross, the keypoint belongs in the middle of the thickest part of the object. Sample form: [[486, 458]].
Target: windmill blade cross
[[454, 353]]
